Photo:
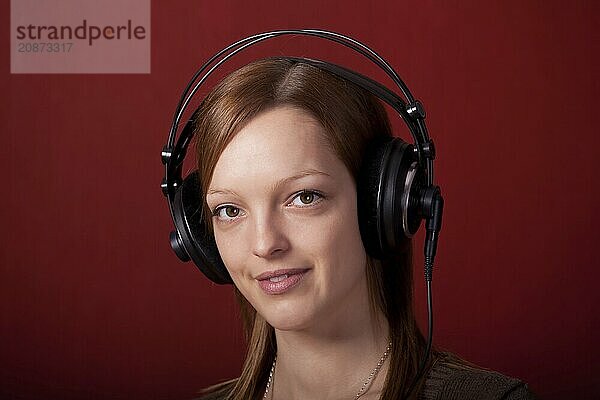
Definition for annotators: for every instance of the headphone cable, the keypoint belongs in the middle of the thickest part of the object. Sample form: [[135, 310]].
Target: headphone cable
[[434, 205]]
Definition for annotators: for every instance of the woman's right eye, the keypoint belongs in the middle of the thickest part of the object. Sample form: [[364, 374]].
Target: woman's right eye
[[227, 212]]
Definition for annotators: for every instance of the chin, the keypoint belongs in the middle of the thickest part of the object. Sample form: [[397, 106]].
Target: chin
[[286, 315], [287, 322]]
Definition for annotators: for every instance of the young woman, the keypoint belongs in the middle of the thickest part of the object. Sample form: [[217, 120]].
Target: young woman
[[279, 148]]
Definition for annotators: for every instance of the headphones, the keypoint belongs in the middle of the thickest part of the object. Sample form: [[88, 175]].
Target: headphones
[[395, 190]]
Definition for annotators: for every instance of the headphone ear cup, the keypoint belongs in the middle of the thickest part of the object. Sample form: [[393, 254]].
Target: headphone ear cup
[[388, 188], [192, 239], [402, 178]]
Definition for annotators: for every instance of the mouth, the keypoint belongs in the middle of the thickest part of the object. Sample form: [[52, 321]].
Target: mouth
[[280, 281]]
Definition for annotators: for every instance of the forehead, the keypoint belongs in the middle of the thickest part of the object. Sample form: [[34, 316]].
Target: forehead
[[275, 144]]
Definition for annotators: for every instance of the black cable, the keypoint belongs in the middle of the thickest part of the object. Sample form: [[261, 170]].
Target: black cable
[[432, 204], [429, 333]]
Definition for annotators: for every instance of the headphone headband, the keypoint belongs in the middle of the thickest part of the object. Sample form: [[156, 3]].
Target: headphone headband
[[411, 111], [254, 39]]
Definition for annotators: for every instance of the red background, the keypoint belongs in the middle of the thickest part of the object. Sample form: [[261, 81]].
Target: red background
[[93, 303]]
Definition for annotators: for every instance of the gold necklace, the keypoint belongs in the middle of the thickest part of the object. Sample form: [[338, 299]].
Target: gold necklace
[[366, 385]]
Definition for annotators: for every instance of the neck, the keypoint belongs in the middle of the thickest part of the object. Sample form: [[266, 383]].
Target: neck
[[332, 360]]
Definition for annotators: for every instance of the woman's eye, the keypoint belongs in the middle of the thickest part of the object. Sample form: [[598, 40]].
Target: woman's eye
[[306, 198], [227, 212]]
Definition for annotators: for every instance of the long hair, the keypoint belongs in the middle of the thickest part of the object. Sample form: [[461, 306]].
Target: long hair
[[352, 117]]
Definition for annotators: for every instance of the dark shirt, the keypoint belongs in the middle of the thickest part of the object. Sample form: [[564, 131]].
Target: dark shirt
[[452, 379]]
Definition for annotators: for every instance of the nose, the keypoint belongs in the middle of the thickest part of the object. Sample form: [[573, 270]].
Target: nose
[[269, 239]]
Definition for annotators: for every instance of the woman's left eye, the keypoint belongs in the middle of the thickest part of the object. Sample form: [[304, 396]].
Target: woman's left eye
[[306, 198]]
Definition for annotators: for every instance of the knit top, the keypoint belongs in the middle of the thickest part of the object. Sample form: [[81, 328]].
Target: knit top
[[448, 380]]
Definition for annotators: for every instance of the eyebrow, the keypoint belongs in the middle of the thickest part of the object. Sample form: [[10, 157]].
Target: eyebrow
[[300, 175]]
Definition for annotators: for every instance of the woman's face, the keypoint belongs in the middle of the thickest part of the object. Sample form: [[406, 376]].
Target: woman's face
[[285, 221]]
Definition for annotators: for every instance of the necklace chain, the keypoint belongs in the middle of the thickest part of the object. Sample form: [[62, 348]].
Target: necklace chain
[[366, 385]]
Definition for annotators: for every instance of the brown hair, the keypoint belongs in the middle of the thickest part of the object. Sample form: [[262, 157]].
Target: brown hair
[[351, 117]]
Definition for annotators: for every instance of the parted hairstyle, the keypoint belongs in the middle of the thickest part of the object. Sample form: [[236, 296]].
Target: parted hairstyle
[[352, 117]]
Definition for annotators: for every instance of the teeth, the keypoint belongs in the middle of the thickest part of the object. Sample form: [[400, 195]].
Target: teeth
[[278, 278]]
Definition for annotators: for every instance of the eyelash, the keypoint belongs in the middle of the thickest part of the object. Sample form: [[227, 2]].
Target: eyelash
[[319, 197], [218, 210], [318, 194]]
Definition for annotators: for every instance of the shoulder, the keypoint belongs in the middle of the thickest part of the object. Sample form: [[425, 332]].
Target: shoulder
[[451, 378]]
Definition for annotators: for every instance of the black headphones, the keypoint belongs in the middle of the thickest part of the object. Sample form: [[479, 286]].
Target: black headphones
[[395, 186]]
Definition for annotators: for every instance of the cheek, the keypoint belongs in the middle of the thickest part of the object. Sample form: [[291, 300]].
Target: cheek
[[232, 250], [337, 243]]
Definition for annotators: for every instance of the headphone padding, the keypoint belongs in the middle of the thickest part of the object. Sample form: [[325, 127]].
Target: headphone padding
[[397, 163], [369, 194], [199, 244]]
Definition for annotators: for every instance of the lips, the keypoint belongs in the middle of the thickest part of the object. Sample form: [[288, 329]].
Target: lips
[[280, 281]]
